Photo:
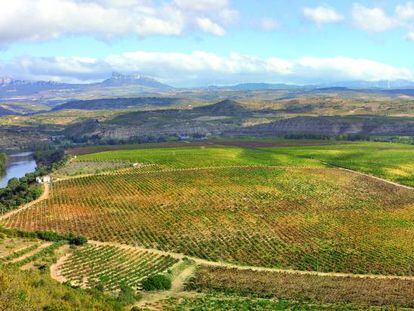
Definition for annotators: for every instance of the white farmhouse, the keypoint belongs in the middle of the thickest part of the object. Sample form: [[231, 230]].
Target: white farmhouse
[[43, 179]]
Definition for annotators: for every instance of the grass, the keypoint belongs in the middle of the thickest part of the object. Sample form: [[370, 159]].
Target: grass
[[34, 290]]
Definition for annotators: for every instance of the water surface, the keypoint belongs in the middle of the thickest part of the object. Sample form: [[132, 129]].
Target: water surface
[[18, 165]]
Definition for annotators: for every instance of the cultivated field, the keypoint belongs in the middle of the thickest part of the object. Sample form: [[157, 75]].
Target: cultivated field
[[283, 213], [297, 218], [326, 290], [111, 266]]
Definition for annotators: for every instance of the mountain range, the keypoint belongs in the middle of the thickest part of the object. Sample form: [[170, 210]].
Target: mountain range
[[137, 90], [14, 87]]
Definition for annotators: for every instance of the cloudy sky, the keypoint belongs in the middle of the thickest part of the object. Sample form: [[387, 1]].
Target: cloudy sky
[[203, 42]]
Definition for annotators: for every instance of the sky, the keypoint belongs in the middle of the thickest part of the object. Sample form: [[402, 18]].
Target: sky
[[208, 42]]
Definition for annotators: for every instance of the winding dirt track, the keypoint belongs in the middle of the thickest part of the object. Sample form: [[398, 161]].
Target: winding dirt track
[[204, 262], [368, 175]]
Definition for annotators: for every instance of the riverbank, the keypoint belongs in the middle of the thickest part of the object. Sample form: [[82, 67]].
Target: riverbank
[[17, 166]]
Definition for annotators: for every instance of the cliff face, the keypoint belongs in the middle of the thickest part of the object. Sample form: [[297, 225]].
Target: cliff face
[[334, 126]]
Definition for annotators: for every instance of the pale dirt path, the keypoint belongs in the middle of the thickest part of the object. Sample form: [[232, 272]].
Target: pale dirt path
[[368, 175], [33, 252], [44, 196], [55, 268]]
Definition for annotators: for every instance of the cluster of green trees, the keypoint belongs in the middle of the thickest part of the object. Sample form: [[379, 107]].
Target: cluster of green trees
[[49, 159], [19, 191], [2, 162], [50, 236], [156, 282]]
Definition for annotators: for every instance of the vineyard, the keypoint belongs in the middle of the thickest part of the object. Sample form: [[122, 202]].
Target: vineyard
[[22, 252], [232, 302], [75, 168], [304, 218], [112, 266], [311, 288], [190, 157], [390, 161]]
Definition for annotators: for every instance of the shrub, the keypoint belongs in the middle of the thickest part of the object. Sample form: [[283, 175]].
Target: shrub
[[156, 282], [77, 240], [126, 295], [49, 236]]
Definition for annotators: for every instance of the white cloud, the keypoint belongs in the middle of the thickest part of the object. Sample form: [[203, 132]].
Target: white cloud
[[202, 5], [204, 68], [268, 24], [352, 69], [372, 19], [405, 12], [410, 36], [322, 15], [48, 19], [207, 25]]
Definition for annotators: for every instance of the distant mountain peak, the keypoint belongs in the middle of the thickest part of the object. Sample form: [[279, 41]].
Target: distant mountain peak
[[118, 79], [6, 80]]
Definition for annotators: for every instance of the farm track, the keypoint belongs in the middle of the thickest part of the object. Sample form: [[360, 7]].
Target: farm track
[[31, 253], [44, 196], [368, 175]]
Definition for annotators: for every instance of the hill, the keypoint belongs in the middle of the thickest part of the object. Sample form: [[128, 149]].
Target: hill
[[224, 108]]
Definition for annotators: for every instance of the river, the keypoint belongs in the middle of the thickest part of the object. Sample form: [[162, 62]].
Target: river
[[18, 165]]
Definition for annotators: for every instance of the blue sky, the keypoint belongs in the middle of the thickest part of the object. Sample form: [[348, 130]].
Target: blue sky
[[187, 42]]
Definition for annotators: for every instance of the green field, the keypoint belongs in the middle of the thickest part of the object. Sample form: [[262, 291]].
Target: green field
[[191, 157], [394, 162]]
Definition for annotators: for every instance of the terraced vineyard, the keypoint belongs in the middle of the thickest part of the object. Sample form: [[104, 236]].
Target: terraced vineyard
[[111, 266], [20, 252], [304, 218]]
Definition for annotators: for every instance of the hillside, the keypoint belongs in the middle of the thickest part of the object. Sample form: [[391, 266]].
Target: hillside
[[5, 112], [119, 103], [199, 121], [332, 126]]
